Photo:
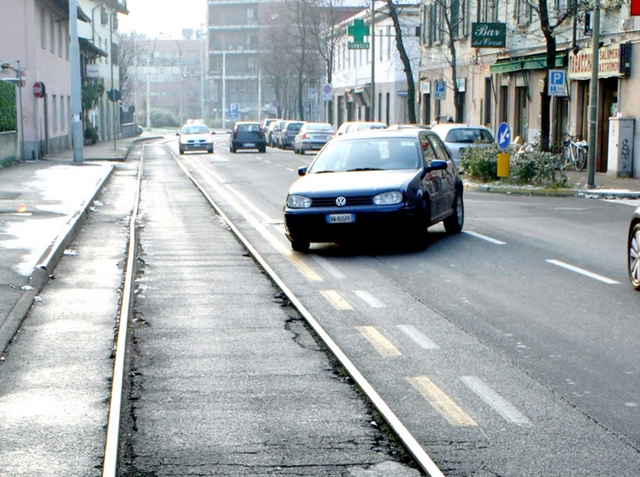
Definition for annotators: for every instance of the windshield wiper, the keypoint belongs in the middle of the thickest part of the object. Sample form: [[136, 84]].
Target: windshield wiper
[[365, 169]]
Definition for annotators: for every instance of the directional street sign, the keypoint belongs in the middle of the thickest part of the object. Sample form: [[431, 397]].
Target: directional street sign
[[504, 136]]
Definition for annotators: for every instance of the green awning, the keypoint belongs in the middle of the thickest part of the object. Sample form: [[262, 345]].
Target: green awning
[[533, 62]]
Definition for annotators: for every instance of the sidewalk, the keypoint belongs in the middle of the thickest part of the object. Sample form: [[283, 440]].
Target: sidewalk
[[42, 206]]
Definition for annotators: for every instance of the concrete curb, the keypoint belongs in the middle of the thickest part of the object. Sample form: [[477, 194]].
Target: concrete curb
[[587, 193], [45, 266]]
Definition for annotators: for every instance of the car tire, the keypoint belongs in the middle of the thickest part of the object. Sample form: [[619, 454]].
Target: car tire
[[454, 223], [210, 151], [633, 256], [233, 149], [302, 151], [181, 151], [300, 246], [263, 150]]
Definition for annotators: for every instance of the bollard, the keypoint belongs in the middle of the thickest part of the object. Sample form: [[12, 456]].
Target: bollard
[[503, 164]]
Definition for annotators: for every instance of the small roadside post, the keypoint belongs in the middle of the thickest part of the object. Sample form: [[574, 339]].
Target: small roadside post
[[504, 139]]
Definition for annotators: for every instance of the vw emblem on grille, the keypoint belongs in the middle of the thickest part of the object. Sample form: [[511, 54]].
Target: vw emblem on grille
[[341, 201]]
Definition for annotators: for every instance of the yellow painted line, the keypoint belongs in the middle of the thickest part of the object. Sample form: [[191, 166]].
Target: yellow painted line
[[441, 402], [379, 342], [336, 300], [229, 196]]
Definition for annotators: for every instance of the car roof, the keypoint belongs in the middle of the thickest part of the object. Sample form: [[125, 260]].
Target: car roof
[[382, 133], [446, 127]]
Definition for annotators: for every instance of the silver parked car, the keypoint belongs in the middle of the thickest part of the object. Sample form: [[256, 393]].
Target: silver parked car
[[459, 136], [313, 137], [633, 250]]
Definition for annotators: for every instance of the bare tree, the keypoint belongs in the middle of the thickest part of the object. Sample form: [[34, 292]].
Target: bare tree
[[406, 62], [446, 25], [549, 30], [126, 63]]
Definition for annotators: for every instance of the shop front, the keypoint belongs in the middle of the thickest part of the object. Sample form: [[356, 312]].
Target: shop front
[[614, 64]]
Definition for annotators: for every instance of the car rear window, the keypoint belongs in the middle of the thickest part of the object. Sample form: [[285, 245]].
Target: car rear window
[[469, 136], [320, 127], [248, 128]]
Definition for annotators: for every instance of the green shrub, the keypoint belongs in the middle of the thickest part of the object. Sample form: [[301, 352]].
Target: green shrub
[[480, 162], [8, 111]]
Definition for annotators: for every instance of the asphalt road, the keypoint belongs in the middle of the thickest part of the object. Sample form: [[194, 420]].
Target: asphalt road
[[510, 349]]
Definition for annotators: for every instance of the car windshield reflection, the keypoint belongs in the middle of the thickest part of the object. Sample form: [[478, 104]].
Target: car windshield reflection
[[367, 155]]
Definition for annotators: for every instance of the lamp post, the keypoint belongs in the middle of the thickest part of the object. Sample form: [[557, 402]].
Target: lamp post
[[593, 97], [76, 101]]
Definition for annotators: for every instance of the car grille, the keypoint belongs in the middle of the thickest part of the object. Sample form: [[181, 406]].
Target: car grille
[[351, 201]]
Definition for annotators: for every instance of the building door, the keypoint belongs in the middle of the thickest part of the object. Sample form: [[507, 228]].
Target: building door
[[426, 108], [488, 103], [521, 110], [503, 113], [560, 126], [607, 109]]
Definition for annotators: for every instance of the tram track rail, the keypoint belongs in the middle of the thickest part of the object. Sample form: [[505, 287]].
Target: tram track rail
[[110, 466]]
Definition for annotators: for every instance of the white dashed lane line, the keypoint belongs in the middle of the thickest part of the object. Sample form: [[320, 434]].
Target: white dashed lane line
[[584, 272], [417, 337], [495, 401], [484, 237]]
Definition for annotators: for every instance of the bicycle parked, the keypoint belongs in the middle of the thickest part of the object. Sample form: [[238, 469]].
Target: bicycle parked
[[575, 153]]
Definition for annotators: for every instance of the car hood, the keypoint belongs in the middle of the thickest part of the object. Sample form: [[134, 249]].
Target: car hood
[[351, 183]]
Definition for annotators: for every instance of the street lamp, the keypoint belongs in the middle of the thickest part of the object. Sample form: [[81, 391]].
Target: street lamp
[[18, 82]]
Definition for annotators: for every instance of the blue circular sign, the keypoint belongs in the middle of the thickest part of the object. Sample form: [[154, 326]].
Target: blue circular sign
[[503, 136]]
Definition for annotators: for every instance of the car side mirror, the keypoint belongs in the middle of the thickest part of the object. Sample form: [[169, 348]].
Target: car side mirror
[[212, 132], [302, 170], [177, 134], [437, 165]]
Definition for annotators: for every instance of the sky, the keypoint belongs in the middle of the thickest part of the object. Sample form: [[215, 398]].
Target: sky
[[163, 17]]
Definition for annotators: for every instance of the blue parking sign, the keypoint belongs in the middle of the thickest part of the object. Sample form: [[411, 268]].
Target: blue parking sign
[[557, 82], [440, 93]]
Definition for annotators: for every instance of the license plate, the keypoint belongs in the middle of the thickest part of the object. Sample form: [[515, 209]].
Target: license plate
[[320, 138], [341, 218], [249, 144]]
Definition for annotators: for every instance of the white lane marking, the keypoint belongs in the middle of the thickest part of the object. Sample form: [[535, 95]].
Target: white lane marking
[[484, 237], [369, 299], [333, 271], [442, 403], [417, 337], [494, 400], [584, 272]]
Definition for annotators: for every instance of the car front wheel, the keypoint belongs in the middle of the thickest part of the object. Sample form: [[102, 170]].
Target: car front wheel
[[453, 224], [300, 246], [634, 256]]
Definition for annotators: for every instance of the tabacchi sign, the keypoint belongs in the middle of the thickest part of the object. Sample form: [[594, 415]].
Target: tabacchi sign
[[613, 60]]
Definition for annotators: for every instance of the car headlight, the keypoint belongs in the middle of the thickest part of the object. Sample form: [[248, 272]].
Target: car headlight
[[298, 202], [388, 198]]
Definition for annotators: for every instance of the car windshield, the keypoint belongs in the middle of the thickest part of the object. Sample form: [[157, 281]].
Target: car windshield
[[469, 136], [294, 127], [372, 154], [195, 129]]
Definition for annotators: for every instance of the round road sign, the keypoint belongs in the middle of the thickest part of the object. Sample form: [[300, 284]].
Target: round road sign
[[39, 89]]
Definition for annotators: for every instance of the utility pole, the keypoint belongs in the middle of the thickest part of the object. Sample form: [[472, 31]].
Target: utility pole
[[373, 60], [593, 98], [76, 101]]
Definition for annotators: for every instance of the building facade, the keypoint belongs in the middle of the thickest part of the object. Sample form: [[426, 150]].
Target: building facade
[[507, 83], [353, 68], [34, 40]]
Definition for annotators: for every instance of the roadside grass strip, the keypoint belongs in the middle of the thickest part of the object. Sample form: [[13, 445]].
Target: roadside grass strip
[[379, 342], [442, 403]]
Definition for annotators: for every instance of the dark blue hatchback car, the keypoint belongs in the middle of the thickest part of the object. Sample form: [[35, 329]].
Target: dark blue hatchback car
[[372, 185]]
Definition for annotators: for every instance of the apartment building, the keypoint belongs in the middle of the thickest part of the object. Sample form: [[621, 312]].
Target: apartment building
[[353, 68], [34, 43], [506, 83]]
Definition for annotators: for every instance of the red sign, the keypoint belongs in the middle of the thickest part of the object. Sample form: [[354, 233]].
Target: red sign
[[38, 89], [635, 7]]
